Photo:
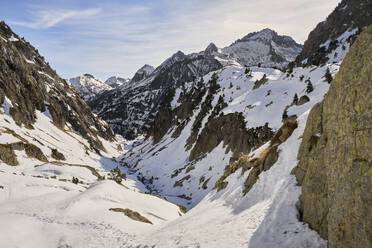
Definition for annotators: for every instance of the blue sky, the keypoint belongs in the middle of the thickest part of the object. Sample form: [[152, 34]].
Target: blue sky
[[116, 37]]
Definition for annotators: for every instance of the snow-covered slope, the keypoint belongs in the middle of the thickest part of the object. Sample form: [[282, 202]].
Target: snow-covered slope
[[89, 86], [115, 82], [40, 206]]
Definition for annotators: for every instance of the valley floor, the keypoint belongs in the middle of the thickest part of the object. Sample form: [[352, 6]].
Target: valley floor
[[38, 208]]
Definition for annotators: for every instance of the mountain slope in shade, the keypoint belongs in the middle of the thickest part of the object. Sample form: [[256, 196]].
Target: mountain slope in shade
[[89, 86]]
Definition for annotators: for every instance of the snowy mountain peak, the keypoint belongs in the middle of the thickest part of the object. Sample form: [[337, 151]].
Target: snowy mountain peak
[[147, 68], [89, 86], [211, 48], [264, 34], [178, 56], [142, 73], [265, 47]]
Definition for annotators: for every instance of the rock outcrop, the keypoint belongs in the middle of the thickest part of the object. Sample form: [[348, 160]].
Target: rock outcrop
[[335, 159]]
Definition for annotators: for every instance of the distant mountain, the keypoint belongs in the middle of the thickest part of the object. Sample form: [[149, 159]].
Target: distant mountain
[[115, 82], [265, 47], [89, 86], [130, 109]]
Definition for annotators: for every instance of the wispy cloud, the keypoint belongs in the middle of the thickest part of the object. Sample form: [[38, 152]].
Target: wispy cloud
[[43, 19]]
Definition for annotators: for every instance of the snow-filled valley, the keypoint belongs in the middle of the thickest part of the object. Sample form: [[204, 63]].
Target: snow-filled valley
[[41, 197], [204, 154]]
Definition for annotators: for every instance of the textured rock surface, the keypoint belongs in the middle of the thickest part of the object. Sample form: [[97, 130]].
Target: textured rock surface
[[335, 168]]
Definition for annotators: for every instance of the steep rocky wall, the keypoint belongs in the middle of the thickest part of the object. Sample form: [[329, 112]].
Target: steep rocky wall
[[31, 84], [335, 157]]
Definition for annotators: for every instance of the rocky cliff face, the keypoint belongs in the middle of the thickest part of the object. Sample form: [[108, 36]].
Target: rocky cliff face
[[349, 17], [335, 168], [27, 84]]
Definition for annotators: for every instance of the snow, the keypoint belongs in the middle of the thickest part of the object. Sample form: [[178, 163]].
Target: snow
[[6, 106], [45, 74], [41, 198], [337, 55], [41, 207], [3, 39], [175, 102], [12, 38], [30, 61]]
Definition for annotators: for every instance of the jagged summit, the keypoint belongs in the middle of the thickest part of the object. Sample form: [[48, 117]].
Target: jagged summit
[[265, 47], [264, 34], [211, 48], [142, 73], [178, 56]]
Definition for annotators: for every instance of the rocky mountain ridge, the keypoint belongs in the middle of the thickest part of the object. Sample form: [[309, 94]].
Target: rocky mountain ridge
[[130, 109]]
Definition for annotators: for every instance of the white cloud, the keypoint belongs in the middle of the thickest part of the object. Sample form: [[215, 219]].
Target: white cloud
[[48, 18]]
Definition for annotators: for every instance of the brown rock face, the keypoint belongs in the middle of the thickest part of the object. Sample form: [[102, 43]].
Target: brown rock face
[[335, 168]]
